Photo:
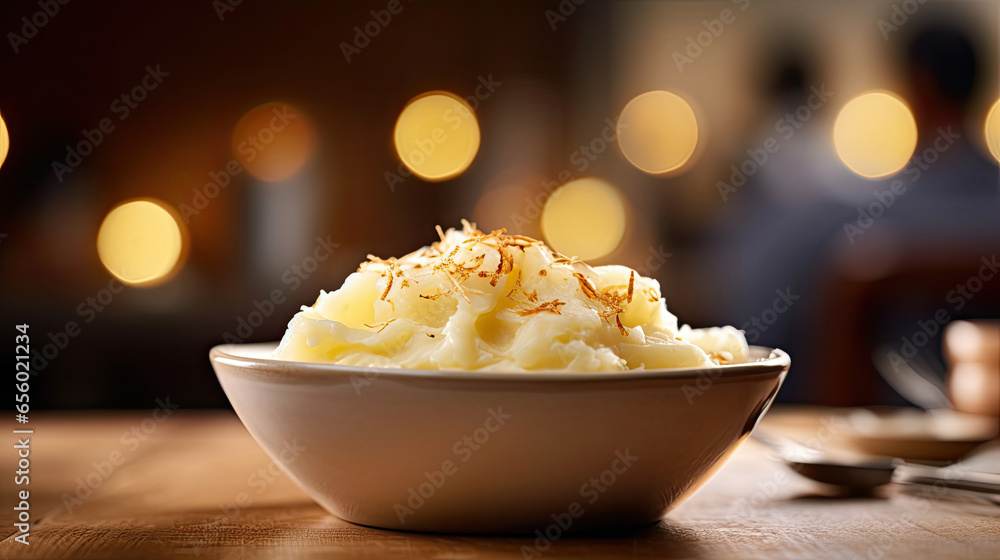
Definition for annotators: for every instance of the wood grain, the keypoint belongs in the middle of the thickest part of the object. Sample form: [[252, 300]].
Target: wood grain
[[173, 495]]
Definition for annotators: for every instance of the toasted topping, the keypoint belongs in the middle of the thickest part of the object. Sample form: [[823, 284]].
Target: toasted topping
[[381, 326], [435, 295], [550, 306], [513, 305], [608, 302]]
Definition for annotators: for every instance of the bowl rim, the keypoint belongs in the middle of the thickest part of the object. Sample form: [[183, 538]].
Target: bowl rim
[[777, 361]]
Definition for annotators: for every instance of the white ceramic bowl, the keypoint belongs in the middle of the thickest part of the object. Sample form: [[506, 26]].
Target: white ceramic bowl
[[465, 451]]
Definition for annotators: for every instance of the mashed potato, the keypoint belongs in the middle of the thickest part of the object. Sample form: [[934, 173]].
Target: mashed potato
[[476, 301]]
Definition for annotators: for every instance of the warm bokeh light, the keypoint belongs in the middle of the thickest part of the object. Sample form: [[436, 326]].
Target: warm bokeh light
[[584, 218], [437, 136], [992, 130], [657, 132], [273, 141], [875, 134], [4, 141], [141, 242]]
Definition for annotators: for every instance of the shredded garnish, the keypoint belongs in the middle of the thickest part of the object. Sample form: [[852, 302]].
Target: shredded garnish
[[381, 326], [436, 295], [518, 288], [506, 263], [522, 310], [388, 286], [529, 304], [621, 328], [547, 306], [610, 301]]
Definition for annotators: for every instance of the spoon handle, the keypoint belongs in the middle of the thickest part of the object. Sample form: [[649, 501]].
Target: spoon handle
[[948, 478]]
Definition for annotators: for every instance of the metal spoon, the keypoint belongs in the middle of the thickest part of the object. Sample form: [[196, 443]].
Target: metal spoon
[[861, 475], [974, 482]]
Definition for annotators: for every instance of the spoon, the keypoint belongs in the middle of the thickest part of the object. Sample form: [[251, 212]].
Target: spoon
[[861, 475], [978, 480]]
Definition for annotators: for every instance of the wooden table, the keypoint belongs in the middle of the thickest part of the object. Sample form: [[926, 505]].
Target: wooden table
[[176, 490]]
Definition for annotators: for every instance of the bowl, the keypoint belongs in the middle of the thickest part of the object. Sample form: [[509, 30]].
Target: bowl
[[917, 435], [477, 452]]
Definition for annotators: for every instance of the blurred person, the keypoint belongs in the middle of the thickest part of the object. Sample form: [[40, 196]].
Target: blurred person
[[808, 282], [937, 233], [780, 208]]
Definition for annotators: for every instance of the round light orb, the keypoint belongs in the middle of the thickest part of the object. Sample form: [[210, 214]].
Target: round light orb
[[141, 242], [875, 134], [584, 218], [657, 132], [437, 136]]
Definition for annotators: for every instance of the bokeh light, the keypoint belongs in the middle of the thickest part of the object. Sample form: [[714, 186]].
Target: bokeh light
[[273, 141], [4, 141], [437, 136], [141, 242], [875, 134], [584, 218], [992, 130], [657, 132]]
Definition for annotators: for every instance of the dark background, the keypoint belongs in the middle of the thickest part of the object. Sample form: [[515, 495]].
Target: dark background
[[783, 230]]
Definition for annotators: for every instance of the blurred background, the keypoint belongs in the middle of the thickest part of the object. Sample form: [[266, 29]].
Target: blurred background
[[174, 175]]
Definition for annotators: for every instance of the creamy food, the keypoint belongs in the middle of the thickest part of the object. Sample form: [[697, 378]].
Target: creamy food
[[497, 302]]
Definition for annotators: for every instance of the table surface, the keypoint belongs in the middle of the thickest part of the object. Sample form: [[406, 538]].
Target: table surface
[[174, 492]]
